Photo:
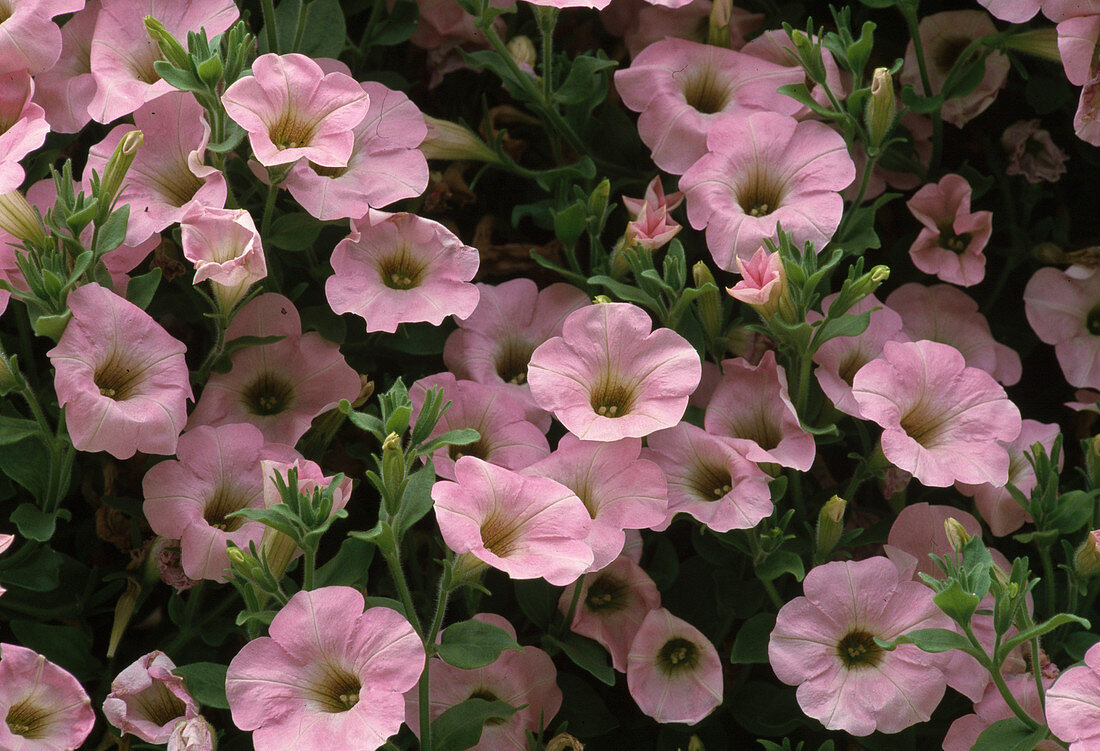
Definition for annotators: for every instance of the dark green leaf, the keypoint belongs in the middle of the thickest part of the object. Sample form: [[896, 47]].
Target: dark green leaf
[[751, 644], [348, 567], [15, 429], [417, 500], [460, 726], [781, 562], [295, 231], [39, 572], [934, 640], [34, 523], [141, 289], [113, 231], [399, 25], [206, 682], [587, 654], [27, 461], [582, 708], [1009, 735], [586, 82], [457, 437], [68, 646], [474, 644], [538, 601]]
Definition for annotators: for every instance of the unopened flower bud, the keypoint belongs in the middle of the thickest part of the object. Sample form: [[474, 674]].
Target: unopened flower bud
[[957, 536], [601, 299], [114, 172], [523, 51], [808, 53], [708, 304], [448, 140], [695, 743], [21, 220], [881, 108], [195, 734], [830, 524], [10, 377], [1087, 560], [393, 468], [564, 742], [718, 27], [124, 611], [170, 47], [366, 390], [1038, 42]]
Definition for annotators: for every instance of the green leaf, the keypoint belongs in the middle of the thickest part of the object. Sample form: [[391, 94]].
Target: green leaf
[[538, 601], [26, 461], [113, 231], [234, 135], [323, 36], [15, 429], [68, 646], [931, 640], [362, 420], [847, 325], [474, 644], [588, 655], [399, 25], [295, 231], [801, 94], [206, 682], [957, 603], [781, 562], [751, 645], [34, 523], [178, 79], [570, 224], [586, 82], [1073, 511], [348, 567], [460, 726], [1009, 735], [582, 708], [625, 292], [920, 104], [417, 500], [39, 572], [141, 289], [243, 342], [458, 437], [1041, 629]]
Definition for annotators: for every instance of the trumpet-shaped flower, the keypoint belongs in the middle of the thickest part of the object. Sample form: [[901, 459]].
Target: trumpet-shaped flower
[[121, 377], [824, 643], [673, 671], [1063, 308], [751, 406], [402, 268], [1031, 151], [29, 39], [292, 110], [942, 421], [328, 676], [494, 344], [506, 437], [620, 490], [278, 387], [23, 126], [168, 176], [1073, 704], [65, 90], [527, 527], [611, 606], [762, 170], [122, 52], [650, 225], [189, 499], [683, 88], [709, 479], [385, 164], [147, 699], [609, 376], [951, 243], [43, 706]]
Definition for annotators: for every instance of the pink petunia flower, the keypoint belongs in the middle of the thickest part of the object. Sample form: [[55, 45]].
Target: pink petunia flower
[[292, 110], [189, 499], [195, 734], [147, 699], [65, 90], [762, 170], [494, 344], [942, 421], [611, 606], [763, 282], [1013, 11], [402, 268], [525, 678], [23, 126], [683, 89], [776, 46], [1086, 121], [122, 52], [824, 643], [43, 706], [751, 406], [385, 164], [29, 39], [226, 250], [1077, 38], [121, 377], [328, 676], [838, 360], [620, 490], [673, 671], [609, 376], [168, 176], [278, 387], [918, 531], [709, 479], [1032, 153], [507, 438], [946, 314], [1063, 308], [1073, 704], [527, 527], [951, 243], [650, 225], [996, 505], [945, 36]]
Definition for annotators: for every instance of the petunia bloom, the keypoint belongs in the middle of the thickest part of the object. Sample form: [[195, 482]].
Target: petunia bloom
[[673, 671], [23, 127], [1032, 153], [121, 377], [226, 250], [278, 387], [762, 170], [293, 110], [824, 643], [951, 243], [1073, 704], [402, 268], [328, 676], [650, 225], [527, 527], [29, 39], [941, 420], [1063, 308], [609, 376], [147, 699], [65, 90], [43, 706]]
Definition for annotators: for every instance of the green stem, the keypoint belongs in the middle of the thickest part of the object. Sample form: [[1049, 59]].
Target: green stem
[[773, 595], [908, 10], [568, 624], [398, 574], [999, 681], [269, 25], [269, 210], [1050, 584], [300, 26], [1037, 672], [309, 568], [423, 690]]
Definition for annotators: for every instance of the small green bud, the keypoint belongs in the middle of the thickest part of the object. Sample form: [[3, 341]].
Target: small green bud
[[170, 47], [597, 201], [1042, 43], [393, 468], [124, 611], [523, 51], [830, 524], [601, 299], [210, 70], [1086, 562], [881, 108], [957, 535], [115, 172], [448, 140], [695, 743], [21, 220], [10, 377], [709, 304]]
